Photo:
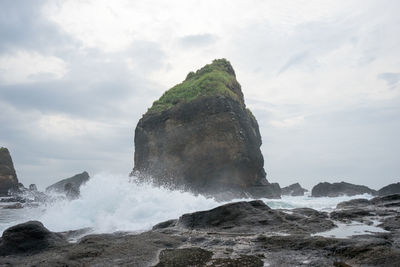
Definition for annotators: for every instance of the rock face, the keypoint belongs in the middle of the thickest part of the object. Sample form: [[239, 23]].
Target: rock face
[[199, 136], [26, 238], [69, 185], [390, 189], [293, 190], [8, 176], [339, 189]]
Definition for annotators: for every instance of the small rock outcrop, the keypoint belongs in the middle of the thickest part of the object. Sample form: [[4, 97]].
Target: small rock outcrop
[[293, 190], [27, 238], [256, 217], [340, 189], [8, 176], [70, 186], [390, 189], [200, 136]]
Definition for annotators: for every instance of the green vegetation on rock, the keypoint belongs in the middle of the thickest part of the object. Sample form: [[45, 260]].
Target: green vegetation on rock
[[217, 78]]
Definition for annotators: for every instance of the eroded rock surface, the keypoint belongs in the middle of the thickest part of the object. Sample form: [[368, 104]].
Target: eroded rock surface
[[235, 234]]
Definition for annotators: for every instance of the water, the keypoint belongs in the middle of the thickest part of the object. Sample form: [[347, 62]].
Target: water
[[111, 203]]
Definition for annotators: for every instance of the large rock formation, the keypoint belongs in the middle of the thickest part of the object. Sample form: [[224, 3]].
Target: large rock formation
[[70, 186], [8, 176], [200, 136], [390, 189], [339, 189]]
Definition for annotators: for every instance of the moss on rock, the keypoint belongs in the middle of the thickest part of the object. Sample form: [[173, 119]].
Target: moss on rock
[[217, 78]]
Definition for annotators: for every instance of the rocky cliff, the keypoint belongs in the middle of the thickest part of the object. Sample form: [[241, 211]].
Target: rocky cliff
[[340, 189], [201, 137], [70, 186], [8, 176]]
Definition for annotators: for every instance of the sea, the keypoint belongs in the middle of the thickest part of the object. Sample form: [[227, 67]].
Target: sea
[[113, 203]]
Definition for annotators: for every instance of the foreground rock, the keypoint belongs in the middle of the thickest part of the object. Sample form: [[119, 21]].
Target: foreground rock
[[8, 176], [294, 190], [235, 234], [69, 186], [390, 189], [340, 189], [27, 238], [201, 137]]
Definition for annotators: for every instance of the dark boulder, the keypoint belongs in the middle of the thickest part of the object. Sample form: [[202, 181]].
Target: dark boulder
[[256, 217], [390, 189], [293, 190], [340, 189], [28, 238], [200, 136], [70, 185], [8, 176]]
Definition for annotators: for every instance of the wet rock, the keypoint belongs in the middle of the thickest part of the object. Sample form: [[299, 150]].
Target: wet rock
[[184, 257], [350, 214], [8, 176], [359, 202], [387, 201], [199, 136], [294, 190], [255, 216], [29, 237], [340, 189], [14, 206]]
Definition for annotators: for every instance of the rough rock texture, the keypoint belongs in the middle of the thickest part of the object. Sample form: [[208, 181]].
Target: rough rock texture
[[65, 185], [293, 190], [200, 136], [29, 237], [8, 176], [256, 217], [339, 189], [389, 189], [235, 234]]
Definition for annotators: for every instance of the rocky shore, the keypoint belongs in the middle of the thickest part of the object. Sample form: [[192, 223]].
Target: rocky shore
[[234, 234]]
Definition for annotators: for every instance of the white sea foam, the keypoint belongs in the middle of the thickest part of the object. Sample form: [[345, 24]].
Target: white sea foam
[[110, 203]]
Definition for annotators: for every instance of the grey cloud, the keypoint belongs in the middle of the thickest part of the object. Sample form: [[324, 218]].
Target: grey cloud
[[197, 40], [391, 78], [22, 26]]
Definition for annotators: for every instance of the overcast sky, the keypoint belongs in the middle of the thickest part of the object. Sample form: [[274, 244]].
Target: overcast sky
[[321, 77]]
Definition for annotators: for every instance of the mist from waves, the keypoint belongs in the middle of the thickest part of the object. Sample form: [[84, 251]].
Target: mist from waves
[[111, 203]]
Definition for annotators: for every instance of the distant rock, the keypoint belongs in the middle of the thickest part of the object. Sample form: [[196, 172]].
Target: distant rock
[[69, 186], [200, 136], [340, 189], [32, 187], [294, 190], [390, 189], [8, 176], [27, 238]]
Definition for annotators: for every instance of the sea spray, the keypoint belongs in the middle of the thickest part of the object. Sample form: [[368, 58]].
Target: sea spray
[[111, 203]]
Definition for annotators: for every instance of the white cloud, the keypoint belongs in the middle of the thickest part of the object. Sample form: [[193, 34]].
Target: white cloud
[[26, 66]]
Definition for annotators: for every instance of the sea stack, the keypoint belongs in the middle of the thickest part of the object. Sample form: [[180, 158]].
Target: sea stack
[[8, 176], [200, 136]]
